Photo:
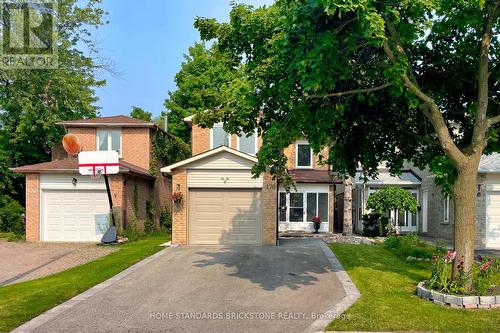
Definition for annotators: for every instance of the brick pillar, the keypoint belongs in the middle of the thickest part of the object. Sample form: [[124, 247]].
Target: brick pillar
[[269, 210], [116, 185], [32, 207], [180, 209]]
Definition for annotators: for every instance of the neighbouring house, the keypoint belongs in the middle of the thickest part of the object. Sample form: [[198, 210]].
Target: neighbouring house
[[435, 215], [223, 204], [63, 206]]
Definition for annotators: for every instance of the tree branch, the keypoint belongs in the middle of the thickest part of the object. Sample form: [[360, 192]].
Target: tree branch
[[481, 123], [352, 92], [493, 120], [429, 107]]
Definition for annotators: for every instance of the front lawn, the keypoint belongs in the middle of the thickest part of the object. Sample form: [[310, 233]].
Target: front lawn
[[24, 301], [388, 302]]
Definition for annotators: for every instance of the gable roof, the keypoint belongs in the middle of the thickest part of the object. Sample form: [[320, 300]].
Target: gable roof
[[112, 121], [70, 165], [489, 163], [208, 153]]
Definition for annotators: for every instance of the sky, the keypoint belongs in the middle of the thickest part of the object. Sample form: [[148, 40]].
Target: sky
[[145, 41]]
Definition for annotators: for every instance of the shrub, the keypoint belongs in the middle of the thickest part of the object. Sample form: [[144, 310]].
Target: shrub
[[375, 225], [11, 215], [150, 211], [484, 274], [165, 219], [409, 245]]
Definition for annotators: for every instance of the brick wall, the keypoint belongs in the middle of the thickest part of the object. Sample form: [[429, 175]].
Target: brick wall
[[200, 139], [269, 209], [87, 137], [32, 207], [290, 153], [180, 210], [136, 146], [118, 195]]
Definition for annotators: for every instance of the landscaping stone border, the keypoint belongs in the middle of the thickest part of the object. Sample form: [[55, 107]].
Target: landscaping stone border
[[464, 302]]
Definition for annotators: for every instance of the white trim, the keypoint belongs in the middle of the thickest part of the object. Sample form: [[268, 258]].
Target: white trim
[[169, 168], [120, 153], [425, 209], [302, 142], [189, 119], [212, 135], [256, 142]]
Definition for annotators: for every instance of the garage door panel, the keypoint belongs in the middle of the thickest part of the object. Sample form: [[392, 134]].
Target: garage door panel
[[228, 217], [74, 215]]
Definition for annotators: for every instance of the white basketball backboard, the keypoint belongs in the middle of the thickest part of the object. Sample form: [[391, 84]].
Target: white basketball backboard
[[98, 163]]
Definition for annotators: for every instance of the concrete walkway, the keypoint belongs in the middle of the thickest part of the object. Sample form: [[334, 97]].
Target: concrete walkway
[[298, 286]]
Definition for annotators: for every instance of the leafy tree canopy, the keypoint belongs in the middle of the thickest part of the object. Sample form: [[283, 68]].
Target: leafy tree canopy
[[201, 85], [349, 75], [139, 113], [392, 198], [32, 101]]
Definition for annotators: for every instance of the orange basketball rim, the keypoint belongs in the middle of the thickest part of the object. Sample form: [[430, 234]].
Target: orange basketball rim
[[71, 144]]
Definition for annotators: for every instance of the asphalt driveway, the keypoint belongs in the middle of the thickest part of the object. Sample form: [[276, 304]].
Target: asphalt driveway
[[213, 289]]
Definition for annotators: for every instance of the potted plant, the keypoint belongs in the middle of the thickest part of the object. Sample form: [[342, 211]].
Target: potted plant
[[316, 223], [177, 196]]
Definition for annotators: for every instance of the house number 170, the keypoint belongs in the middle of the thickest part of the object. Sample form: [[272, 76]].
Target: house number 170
[[270, 186]]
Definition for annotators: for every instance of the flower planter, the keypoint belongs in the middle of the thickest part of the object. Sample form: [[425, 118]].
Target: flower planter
[[465, 302]]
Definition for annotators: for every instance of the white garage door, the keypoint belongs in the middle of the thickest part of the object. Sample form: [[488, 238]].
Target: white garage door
[[493, 219], [225, 217], [74, 215]]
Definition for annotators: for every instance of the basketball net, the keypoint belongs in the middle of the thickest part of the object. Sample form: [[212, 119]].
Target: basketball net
[[96, 175]]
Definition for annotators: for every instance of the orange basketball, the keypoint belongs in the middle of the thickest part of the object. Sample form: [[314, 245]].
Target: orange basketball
[[71, 144]]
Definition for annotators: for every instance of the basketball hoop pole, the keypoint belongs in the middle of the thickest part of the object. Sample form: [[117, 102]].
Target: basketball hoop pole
[[110, 199]]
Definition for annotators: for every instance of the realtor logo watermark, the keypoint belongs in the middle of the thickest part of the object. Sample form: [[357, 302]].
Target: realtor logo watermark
[[28, 34]]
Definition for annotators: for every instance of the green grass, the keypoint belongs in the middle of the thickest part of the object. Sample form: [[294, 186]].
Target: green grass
[[388, 302], [24, 301]]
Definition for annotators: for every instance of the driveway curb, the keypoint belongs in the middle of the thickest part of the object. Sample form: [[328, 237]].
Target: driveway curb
[[352, 293], [38, 321]]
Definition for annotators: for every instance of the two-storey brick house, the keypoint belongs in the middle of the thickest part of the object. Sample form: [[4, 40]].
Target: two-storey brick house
[[223, 204], [62, 205]]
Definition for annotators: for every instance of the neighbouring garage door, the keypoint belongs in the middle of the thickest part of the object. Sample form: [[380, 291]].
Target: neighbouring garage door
[[225, 217], [493, 219], [74, 216]]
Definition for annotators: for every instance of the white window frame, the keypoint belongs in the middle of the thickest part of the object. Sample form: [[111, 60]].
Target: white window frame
[[109, 139], [297, 144], [212, 135], [304, 206], [256, 139], [446, 209]]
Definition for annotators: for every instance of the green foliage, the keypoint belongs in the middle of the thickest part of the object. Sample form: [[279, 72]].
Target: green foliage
[[386, 282], [444, 172], [294, 61], [10, 215], [200, 86], [392, 198], [409, 245], [484, 275], [374, 225], [165, 219], [34, 100], [167, 149], [150, 212], [139, 113]]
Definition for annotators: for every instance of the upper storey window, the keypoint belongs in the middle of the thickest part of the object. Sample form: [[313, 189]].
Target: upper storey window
[[109, 140], [248, 144], [219, 137], [304, 155]]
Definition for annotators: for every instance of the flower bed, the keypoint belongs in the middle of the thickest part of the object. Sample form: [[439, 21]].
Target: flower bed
[[467, 302]]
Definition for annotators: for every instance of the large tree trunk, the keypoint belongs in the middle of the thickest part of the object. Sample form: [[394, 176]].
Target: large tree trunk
[[347, 231], [464, 199]]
